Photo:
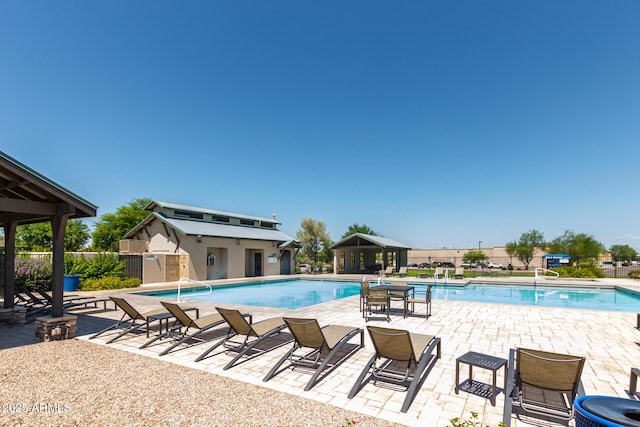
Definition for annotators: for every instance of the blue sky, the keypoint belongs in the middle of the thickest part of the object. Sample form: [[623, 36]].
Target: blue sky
[[434, 123]]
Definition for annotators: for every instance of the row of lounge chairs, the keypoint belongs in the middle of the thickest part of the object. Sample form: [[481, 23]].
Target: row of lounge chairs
[[539, 383], [401, 357], [40, 301]]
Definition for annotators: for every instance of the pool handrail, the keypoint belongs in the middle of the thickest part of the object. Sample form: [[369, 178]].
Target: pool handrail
[[193, 281], [536, 276]]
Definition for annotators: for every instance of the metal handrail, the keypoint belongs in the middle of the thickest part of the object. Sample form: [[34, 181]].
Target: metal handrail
[[545, 270], [193, 281]]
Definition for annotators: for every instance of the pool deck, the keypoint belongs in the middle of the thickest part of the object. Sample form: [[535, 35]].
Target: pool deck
[[609, 340]]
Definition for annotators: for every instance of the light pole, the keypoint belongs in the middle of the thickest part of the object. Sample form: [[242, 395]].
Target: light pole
[[479, 242]]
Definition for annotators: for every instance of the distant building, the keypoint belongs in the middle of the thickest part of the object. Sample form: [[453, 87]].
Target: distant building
[[178, 241]]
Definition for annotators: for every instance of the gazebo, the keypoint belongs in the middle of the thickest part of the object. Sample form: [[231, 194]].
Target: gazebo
[[364, 253], [26, 197]]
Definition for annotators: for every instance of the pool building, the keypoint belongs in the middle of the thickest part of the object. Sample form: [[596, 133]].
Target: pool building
[[177, 241]]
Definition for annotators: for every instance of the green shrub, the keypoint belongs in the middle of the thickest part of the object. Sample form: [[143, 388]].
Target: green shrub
[[108, 282], [94, 268], [33, 273], [634, 274], [585, 272]]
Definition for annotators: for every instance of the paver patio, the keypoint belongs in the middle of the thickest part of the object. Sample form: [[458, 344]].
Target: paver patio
[[609, 340]]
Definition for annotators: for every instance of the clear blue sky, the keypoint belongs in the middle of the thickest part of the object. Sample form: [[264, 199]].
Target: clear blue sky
[[434, 123]]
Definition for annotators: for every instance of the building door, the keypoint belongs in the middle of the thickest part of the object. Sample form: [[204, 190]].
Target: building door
[[285, 262], [257, 264]]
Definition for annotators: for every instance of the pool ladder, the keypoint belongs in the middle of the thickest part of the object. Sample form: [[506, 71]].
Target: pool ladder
[[186, 279], [537, 276]]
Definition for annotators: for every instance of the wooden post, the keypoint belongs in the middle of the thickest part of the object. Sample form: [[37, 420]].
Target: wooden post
[[9, 263], [58, 226]]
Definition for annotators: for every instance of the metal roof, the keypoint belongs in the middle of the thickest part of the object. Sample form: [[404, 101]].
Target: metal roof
[[210, 229], [20, 184], [188, 208], [359, 239]]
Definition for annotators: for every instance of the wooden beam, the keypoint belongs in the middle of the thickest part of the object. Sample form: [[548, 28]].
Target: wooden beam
[[58, 226], [28, 207]]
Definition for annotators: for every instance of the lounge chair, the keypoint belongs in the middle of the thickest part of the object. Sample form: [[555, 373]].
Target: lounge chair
[[388, 272], [542, 384], [401, 358], [402, 272], [253, 334], [131, 321], [325, 343], [419, 298], [379, 298], [458, 273], [439, 272], [180, 331]]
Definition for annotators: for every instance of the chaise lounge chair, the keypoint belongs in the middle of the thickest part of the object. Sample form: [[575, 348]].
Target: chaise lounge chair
[[325, 343], [131, 320], [402, 272], [401, 358], [388, 272], [542, 384], [458, 273], [253, 334], [183, 325]]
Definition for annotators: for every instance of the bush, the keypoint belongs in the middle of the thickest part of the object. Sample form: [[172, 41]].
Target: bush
[[634, 274], [587, 272], [33, 273], [101, 265], [108, 282]]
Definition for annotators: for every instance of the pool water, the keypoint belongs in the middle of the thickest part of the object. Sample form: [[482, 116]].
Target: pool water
[[293, 294], [290, 294]]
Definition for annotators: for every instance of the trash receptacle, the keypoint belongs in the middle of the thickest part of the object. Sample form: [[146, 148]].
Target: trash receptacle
[[71, 283], [606, 411]]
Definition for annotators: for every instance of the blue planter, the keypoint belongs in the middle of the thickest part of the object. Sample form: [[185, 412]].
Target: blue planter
[[605, 411], [71, 283]]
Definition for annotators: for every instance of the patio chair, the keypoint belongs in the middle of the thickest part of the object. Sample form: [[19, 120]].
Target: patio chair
[[379, 298], [388, 272], [131, 321], [418, 298], [458, 273], [542, 384], [439, 272], [184, 324], [324, 343], [364, 289], [401, 358], [253, 335]]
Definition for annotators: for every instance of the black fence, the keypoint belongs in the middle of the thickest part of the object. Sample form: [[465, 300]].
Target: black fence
[[132, 265]]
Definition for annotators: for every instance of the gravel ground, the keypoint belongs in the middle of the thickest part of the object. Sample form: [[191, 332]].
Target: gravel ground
[[74, 382]]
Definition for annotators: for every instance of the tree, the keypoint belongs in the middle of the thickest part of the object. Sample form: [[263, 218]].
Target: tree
[[623, 253], [314, 239], [112, 227], [525, 247], [579, 247], [39, 236], [473, 256], [356, 228]]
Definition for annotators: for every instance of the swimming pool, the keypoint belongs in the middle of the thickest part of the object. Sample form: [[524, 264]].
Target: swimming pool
[[290, 294], [298, 293]]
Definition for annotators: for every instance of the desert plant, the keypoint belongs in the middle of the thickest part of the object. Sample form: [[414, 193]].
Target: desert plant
[[472, 421]]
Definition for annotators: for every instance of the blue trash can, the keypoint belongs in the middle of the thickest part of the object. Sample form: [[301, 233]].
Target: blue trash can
[[606, 411], [71, 283]]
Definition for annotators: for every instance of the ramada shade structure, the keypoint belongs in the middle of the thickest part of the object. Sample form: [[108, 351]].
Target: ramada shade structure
[[364, 253], [27, 197]]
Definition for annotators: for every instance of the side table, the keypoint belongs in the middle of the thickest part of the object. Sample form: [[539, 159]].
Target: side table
[[481, 361]]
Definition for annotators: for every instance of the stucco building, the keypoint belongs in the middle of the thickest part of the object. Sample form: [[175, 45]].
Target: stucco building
[[178, 241]]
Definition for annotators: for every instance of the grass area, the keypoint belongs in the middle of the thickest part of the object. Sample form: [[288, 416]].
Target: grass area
[[471, 273]]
